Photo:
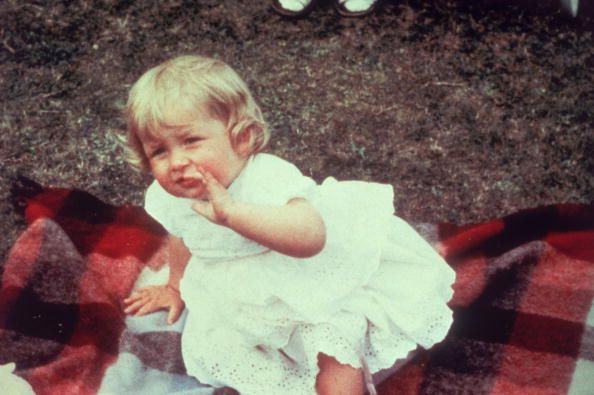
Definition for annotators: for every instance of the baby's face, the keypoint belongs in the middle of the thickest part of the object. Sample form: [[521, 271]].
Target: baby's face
[[176, 154]]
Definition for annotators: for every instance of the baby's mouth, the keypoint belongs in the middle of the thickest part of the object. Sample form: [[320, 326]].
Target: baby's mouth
[[191, 178], [189, 182]]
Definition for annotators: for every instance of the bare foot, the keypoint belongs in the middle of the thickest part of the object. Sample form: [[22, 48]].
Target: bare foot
[[153, 298], [338, 379], [225, 391]]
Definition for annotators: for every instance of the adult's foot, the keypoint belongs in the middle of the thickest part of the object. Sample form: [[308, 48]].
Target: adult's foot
[[356, 7], [293, 8]]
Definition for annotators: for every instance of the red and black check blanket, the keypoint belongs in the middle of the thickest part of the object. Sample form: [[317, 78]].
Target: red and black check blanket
[[523, 324]]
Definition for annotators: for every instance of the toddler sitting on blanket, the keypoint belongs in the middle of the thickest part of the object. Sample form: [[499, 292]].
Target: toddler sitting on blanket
[[291, 287]]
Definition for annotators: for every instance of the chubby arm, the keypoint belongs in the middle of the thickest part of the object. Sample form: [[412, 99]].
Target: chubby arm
[[295, 229], [178, 260]]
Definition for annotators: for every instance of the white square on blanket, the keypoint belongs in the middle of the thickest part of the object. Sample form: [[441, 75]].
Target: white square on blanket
[[582, 378]]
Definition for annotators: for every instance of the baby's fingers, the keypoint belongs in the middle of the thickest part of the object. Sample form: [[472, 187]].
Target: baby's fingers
[[213, 186], [135, 297], [138, 294], [174, 313], [135, 307], [148, 308]]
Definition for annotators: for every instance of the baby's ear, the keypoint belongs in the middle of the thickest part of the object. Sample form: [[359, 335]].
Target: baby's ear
[[243, 141]]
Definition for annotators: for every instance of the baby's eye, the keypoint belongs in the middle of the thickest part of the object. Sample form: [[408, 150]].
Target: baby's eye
[[156, 152], [192, 140]]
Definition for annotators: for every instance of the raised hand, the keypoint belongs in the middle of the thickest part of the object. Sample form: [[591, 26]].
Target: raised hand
[[219, 203], [153, 298]]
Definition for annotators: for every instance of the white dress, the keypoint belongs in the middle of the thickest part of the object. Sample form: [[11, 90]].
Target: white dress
[[257, 319]]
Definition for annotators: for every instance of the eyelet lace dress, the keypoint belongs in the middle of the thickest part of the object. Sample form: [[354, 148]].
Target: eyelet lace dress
[[258, 319]]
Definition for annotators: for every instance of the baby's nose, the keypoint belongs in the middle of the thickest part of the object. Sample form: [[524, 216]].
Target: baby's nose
[[178, 160]]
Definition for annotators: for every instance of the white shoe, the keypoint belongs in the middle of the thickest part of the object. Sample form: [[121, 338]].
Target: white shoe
[[356, 7], [293, 8], [294, 5]]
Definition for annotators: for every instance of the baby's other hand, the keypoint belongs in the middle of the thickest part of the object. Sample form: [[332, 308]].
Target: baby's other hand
[[153, 298], [219, 203]]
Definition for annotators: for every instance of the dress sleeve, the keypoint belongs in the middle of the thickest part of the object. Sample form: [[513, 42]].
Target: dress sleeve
[[277, 181], [160, 205]]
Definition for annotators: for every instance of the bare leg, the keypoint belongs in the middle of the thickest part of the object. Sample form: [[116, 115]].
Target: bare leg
[[337, 379]]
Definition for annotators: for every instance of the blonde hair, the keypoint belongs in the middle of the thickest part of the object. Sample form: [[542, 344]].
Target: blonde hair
[[203, 84]]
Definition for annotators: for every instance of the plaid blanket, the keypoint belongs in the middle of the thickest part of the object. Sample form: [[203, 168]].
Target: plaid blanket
[[524, 322]]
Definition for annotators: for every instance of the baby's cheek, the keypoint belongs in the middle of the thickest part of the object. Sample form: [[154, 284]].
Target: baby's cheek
[[158, 171], [215, 167]]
